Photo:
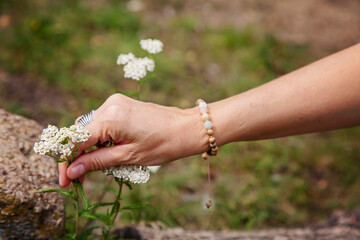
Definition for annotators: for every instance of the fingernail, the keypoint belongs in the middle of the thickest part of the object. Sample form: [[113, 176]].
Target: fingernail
[[60, 183], [77, 171]]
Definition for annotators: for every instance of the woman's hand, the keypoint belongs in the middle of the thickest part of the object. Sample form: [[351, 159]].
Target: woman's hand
[[144, 134]]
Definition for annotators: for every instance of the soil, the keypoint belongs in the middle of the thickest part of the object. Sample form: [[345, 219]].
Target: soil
[[36, 100], [326, 25]]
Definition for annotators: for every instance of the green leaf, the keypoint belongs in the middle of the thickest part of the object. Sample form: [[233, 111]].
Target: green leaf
[[96, 216], [74, 152], [96, 205], [65, 141], [115, 208], [82, 194], [108, 143], [85, 234], [111, 237], [57, 190], [143, 205], [128, 185], [105, 232]]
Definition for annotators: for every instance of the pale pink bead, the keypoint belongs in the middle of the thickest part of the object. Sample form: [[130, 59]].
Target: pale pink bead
[[203, 107], [208, 124]]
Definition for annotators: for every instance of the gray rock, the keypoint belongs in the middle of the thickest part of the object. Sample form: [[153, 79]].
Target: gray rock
[[25, 214]]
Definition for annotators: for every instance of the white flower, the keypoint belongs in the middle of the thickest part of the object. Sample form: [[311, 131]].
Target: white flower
[[49, 132], [153, 46], [60, 141], [135, 69], [125, 58], [148, 63], [130, 173]]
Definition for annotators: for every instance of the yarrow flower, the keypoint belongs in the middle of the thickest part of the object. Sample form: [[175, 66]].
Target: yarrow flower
[[153, 46], [130, 173], [148, 63], [135, 69], [125, 58], [60, 141]]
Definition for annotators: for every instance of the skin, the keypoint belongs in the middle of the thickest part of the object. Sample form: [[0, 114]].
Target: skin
[[322, 96]]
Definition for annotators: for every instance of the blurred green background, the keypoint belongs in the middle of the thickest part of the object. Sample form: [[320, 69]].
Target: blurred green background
[[58, 61]]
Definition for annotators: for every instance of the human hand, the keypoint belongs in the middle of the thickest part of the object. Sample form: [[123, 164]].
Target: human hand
[[144, 134]]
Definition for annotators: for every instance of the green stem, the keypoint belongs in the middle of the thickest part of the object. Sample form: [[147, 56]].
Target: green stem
[[77, 207], [138, 90], [118, 200], [57, 158]]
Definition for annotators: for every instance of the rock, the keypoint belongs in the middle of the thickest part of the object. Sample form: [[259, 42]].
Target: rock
[[25, 214]]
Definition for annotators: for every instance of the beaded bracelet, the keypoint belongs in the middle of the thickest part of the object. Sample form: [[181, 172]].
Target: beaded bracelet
[[208, 125], [212, 141]]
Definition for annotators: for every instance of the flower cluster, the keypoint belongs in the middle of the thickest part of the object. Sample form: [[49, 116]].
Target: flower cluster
[[60, 141], [137, 68], [153, 46], [130, 173]]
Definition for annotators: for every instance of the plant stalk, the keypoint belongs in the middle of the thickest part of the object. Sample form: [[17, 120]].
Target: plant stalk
[[118, 200], [99, 199], [120, 182], [76, 208], [138, 90]]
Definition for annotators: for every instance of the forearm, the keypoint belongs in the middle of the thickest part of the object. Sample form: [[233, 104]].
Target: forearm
[[322, 96]]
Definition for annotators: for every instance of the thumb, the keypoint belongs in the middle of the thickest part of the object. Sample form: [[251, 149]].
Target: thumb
[[96, 160]]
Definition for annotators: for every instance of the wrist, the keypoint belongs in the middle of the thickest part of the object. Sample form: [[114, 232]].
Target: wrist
[[189, 134], [193, 132]]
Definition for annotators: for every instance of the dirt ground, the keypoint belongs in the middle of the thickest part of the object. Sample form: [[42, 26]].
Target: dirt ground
[[326, 25]]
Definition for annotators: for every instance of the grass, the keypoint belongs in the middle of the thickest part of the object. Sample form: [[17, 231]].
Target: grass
[[72, 46]]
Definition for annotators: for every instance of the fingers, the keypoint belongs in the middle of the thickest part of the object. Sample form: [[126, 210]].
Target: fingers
[[96, 160], [63, 179]]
